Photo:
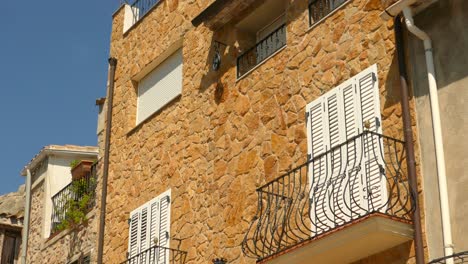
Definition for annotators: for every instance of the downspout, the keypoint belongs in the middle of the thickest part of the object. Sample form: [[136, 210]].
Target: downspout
[[105, 173], [409, 146], [436, 126], [27, 210]]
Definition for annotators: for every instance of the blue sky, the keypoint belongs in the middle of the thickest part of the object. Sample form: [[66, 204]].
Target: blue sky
[[53, 65]]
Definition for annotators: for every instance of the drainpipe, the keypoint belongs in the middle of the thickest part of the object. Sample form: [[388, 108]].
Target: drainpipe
[[27, 210], [409, 146], [403, 6], [436, 126], [105, 173]]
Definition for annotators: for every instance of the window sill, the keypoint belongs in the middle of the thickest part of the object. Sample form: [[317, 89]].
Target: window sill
[[144, 121], [261, 63]]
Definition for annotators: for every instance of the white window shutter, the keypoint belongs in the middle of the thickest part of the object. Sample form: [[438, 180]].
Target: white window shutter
[[340, 114], [318, 145], [153, 236], [149, 227], [143, 237], [375, 188], [133, 236], [164, 225], [368, 91]]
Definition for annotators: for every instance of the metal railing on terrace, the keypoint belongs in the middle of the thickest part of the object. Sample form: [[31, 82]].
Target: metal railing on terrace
[[261, 51], [361, 177], [141, 7], [71, 194], [318, 9], [158, 255], [458, 258]]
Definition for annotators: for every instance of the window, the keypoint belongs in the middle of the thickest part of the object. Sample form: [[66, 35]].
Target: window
[[262, 34], [149, 230], [319, 9], [160, 86], [341, 114]]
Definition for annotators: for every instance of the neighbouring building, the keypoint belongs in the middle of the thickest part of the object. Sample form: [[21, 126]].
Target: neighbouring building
[[55, 198], [446, 23], [271, 131], [11, 223]]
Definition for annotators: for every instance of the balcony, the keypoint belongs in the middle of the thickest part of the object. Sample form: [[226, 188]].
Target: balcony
[[343, 205], [136, 10], [457, 258], [158, 255], [319, 9], [264, 49], [78, 193]]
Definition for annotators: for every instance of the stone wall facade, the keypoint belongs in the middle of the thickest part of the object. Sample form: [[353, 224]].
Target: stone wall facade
[[223, 137]]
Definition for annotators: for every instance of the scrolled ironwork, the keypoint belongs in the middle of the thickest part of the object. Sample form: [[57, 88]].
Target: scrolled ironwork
[[458, 258], [357, 178], [158, 255]]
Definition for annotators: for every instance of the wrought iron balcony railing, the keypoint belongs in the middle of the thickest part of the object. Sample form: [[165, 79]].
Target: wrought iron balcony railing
[[140, 8], [458, 258], [73, 193], [261, 51], [158, 255], [318, 9], [350, 181]]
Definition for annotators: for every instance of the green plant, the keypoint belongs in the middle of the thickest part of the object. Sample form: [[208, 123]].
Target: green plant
[[76, 205], [74, 163]]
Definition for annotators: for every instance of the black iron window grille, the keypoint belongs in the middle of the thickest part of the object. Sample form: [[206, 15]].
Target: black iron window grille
[[355, 179], [73, 192], [458, 258], [318, 9], [158, 255], [261, 51], [141, 7]]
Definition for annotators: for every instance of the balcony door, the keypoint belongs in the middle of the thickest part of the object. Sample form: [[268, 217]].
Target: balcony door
[[345, 176]]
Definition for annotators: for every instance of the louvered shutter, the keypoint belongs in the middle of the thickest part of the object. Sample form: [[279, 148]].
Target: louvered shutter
[[164, 225], [352, 125], [149, 227], [133, 237], [374, 189], [318, 167], [153, 206], [343, 180], [143, 236]]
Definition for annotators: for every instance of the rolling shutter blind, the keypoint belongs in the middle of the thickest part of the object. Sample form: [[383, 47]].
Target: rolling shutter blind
[[160, 86], [149, 227], [340, 187]]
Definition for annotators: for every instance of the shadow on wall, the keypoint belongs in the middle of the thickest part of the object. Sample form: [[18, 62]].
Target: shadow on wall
[[237, 42], [450, 39]]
